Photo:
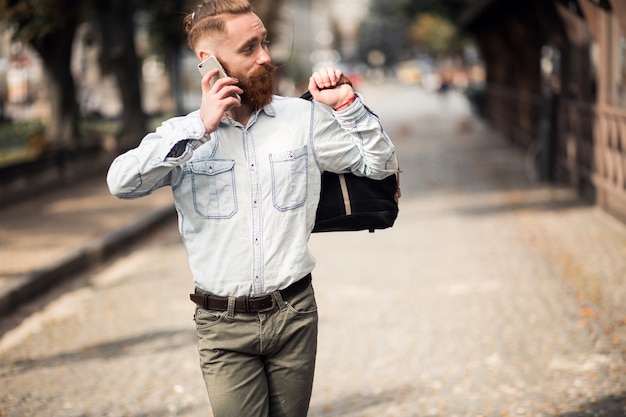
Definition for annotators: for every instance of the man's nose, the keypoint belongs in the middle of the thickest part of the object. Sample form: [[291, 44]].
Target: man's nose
[[264, 57]]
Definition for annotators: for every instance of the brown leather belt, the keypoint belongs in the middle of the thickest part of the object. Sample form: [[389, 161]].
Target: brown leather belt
[[246, 304]]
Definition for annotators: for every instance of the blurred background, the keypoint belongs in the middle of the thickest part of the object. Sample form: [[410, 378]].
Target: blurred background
[[503, 289], [89, 79], [102, 70]]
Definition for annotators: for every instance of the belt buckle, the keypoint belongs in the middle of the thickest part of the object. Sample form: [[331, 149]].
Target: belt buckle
[[270, 308]]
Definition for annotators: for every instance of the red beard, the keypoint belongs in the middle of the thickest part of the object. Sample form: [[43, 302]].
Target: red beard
[[258, 87]]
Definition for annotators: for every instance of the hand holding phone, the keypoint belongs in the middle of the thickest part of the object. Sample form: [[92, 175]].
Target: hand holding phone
[[215, 102], [212, 63]]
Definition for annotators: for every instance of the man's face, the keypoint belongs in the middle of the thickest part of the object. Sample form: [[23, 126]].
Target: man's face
[[243, 53]]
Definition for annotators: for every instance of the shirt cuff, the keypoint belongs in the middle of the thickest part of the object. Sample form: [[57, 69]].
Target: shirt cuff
[[181, 135], [355, 111]]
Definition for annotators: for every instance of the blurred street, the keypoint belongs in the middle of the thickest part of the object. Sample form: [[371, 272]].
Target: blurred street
[[493, 295]]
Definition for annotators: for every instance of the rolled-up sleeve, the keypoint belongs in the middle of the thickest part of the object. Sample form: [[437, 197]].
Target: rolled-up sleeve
[[352, 140]]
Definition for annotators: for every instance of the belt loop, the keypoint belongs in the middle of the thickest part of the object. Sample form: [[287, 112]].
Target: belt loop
[[231, 307], [278, 298]]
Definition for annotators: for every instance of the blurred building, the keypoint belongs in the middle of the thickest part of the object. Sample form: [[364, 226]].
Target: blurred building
[[556, 85]]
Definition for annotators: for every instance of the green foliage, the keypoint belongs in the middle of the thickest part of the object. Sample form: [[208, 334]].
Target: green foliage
[[449, 9], [33, 20], [14, 140], [434, 32], [398, 28], [14, 135]]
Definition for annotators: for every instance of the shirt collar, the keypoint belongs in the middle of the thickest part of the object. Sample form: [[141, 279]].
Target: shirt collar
[[268, 109]]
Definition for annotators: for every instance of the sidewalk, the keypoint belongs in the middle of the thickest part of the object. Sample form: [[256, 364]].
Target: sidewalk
[[45, 239]]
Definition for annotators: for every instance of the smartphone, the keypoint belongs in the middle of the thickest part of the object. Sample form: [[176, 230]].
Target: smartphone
[[212, 63]]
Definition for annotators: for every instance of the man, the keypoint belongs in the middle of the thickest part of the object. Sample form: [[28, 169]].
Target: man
[[245, 173]]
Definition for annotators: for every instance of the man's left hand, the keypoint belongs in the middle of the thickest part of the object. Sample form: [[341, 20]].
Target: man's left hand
[[329, 86]]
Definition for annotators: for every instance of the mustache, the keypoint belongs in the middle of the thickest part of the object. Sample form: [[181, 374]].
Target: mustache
[[267, 70]]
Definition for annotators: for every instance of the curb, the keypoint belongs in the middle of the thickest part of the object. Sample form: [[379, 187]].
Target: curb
[[25, 287]]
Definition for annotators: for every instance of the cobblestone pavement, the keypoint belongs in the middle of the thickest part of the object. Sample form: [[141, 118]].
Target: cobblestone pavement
[[493, 295]]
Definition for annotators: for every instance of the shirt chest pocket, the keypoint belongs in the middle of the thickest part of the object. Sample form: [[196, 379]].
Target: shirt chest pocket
[[213, 188], [289, 178]]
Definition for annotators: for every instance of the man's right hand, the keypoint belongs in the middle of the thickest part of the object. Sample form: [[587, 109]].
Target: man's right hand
[[217, 99]]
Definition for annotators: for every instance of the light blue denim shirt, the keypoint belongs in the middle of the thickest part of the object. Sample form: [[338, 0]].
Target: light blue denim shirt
[[246, 196]]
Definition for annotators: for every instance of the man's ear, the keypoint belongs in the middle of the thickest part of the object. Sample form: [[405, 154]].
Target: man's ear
[[202, 54]]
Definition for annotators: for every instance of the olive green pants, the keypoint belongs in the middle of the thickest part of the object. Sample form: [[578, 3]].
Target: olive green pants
[[260, 364]]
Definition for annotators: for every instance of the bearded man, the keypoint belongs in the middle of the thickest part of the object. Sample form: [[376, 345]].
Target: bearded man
[[245, 171]]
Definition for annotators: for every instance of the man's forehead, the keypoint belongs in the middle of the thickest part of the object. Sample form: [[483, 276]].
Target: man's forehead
[[241, 28]]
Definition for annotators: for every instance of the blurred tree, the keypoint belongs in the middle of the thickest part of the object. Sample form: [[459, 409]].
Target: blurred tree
[[383, 32], [433, 33], [449, 9], [438, 17], [396, 27], [167, 39], [118, 55], [49, 26]]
